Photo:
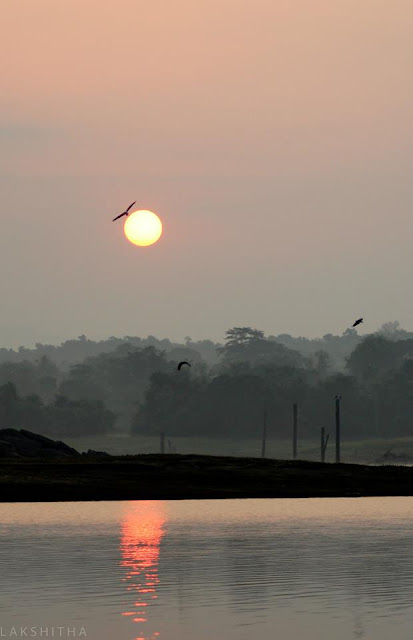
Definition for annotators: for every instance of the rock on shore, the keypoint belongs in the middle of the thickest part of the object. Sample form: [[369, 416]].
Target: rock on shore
[[15, 443]]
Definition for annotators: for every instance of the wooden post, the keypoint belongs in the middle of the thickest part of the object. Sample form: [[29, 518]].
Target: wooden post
[[338, 434], [264, 435], [376, 413], [324, 442], [322, 445], [294, 430], [162, 442]]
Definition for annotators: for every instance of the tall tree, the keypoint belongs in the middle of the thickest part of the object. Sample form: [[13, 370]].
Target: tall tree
[[244, 344]]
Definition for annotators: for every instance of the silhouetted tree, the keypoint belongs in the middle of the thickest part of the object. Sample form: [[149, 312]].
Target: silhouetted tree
[[321, 363], [39, 377], [373, 357], [119, 379], [171, 405], [8, 405], [67, 417], [244, 344]]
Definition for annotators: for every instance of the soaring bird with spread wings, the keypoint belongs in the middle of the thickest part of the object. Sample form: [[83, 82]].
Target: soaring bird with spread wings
[[359, 321], [125, 213]]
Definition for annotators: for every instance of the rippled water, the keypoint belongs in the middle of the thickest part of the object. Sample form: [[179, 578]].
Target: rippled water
[[208, 570]]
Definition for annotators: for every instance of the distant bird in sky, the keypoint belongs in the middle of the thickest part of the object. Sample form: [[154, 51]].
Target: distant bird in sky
[[359, 321], [182, 363], [125, 213]]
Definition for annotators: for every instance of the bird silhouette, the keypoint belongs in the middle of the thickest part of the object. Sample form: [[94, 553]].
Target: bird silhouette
[[125, 213], [359, 321], [182, 363]]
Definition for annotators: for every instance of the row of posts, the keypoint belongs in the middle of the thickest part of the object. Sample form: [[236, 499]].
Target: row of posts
[[323, 440]]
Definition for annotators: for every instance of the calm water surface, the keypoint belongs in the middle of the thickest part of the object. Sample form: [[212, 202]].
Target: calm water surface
[[208, 570]]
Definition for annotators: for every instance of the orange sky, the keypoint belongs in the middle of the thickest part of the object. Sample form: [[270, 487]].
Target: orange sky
[[273, 139]]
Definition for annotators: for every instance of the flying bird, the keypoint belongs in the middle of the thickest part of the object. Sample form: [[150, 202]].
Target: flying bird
[[359, 321], [182, 363], [125, 213]]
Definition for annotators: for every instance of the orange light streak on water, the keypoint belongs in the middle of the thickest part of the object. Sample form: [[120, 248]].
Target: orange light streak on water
[[142, 530]]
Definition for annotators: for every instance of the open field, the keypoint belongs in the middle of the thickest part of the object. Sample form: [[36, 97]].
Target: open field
[[355, 451]]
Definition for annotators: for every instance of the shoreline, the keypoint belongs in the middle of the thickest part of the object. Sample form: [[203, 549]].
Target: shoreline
[[184, 477]]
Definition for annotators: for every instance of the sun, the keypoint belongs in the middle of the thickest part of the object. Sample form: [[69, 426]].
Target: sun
[[143, 228]]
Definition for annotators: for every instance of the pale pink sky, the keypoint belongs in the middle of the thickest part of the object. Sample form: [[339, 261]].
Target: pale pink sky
[[274, 139]]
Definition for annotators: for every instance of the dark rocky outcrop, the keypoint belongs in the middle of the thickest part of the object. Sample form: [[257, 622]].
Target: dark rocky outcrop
[[15, 443]]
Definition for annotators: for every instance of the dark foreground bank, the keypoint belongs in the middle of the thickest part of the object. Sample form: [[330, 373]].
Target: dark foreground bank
[[176, 477]]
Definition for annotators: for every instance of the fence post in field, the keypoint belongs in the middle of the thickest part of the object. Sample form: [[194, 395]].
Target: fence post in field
[[162, 442], [338, 427], [294, 430], [264, 435], [324, 442]]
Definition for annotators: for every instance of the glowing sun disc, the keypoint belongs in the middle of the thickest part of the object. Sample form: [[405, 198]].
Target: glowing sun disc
[[143, 228]]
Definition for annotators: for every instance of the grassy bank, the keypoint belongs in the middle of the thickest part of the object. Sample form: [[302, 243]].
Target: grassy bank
[[192, 476], [353, 451]]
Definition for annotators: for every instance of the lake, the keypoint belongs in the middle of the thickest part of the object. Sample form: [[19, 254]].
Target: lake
[[310, 569]]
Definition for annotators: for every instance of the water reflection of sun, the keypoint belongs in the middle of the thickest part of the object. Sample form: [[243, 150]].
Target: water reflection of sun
[[141, 534]]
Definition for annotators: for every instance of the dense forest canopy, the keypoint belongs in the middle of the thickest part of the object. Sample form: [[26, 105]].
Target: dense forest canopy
[[132, 385], [74, 351]]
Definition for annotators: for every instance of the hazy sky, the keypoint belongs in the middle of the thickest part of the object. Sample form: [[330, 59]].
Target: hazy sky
[[274, 140]]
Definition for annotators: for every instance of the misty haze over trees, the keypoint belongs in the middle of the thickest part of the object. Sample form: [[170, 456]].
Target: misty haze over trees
[[131, 385]]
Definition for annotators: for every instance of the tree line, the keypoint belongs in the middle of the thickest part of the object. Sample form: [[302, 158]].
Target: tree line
[[137, 389], [69, 352]]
